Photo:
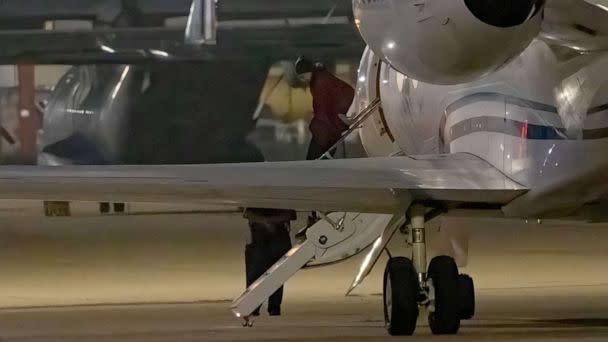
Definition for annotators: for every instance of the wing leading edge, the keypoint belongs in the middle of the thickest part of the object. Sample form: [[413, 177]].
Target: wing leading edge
[[379, 185]]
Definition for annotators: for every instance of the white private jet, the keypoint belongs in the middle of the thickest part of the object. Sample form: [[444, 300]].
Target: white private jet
[[498, 105]]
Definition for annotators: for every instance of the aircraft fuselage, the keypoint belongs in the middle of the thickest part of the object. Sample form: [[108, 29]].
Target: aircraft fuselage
[[524, 119]]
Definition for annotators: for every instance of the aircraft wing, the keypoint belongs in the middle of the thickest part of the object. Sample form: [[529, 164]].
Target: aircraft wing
[[563, 196], [378, 185]]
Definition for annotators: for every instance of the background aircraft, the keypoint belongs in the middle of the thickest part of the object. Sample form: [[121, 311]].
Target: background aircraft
[[159, 109], [460, 100]]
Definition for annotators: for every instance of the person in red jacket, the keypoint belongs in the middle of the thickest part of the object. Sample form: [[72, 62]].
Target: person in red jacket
[[332, 99]]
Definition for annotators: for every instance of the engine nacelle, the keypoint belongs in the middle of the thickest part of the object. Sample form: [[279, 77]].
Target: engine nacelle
[[448, 41]]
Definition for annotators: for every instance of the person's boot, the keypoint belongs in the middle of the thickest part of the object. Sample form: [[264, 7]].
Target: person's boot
[[274, 311], [274, 303]]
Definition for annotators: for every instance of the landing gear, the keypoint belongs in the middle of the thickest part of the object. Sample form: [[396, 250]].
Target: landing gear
[[408, 285], [443, 275], [104, 207], [401, 291], [119, 208], [467, 296]]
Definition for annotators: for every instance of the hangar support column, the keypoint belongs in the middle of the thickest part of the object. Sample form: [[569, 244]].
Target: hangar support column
[[29, 117]]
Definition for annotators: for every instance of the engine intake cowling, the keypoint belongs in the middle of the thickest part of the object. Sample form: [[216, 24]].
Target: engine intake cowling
[[504, 13], [448, 41]]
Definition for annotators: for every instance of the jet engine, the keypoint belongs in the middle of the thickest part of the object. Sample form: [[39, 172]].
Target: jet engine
[[448, 41]]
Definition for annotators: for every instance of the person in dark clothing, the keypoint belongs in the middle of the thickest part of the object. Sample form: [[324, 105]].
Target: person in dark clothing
[[270, 241], [332, 99]]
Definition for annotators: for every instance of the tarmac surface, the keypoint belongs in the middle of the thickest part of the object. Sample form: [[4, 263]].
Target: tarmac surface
[[171, 277]]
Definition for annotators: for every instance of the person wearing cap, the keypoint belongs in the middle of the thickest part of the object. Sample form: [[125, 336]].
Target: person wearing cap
[[332, 99]]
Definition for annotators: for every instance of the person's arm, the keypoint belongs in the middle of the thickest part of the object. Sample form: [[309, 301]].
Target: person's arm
[[347, 118]]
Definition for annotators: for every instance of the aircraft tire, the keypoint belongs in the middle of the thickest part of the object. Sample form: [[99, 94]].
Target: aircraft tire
[[400, 297], [119, 207], [445, 320], [467, 296], [104, 207]]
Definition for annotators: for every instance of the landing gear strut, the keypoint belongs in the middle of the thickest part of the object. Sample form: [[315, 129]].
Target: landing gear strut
[[408, 286]]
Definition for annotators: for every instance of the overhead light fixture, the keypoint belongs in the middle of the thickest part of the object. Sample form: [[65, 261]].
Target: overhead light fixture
[[107, 49], [160, 53]]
